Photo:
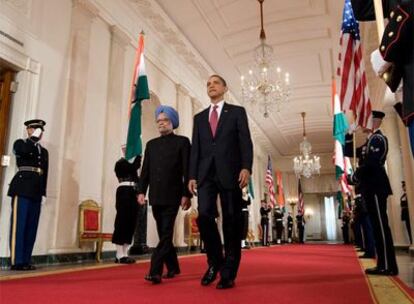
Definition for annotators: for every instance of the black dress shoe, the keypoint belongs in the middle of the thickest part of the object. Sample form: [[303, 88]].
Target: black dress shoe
[[374, 270], [155, 279], [126, 260], [171, 274], [17, 267], [225, 284], [29, 267], [246, 247], [209, 276]]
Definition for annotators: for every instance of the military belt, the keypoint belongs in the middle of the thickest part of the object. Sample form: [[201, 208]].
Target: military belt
[[127, 184], [31, 169]]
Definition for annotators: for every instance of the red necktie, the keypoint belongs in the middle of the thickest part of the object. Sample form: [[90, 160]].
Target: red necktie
[[214, 120]]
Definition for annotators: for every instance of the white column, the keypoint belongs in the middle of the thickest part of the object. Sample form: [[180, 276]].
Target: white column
[[113, 127], [185, 111], [83, 15], [395, 174]]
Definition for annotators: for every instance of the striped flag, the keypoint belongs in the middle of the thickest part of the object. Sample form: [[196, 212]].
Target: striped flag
[[139, 92], [280, 193], [354, 93], [340, 127], [250, 188], [270, 182], [301, 202]]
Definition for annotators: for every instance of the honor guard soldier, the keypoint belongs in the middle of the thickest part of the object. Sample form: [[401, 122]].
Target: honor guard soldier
[[245, 216], [300, 222], [126, 207], [26, 190], [375, 188], [278, 216], [264, 222], [290, 227]]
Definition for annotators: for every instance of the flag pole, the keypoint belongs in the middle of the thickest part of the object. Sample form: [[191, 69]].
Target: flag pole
[[379, 17]]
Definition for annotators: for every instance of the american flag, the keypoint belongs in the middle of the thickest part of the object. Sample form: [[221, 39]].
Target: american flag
[[354, 93], [270, 182], [301, 202]]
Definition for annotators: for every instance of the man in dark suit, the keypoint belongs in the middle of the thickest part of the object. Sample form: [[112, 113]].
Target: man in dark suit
[[26, 189], [375, 187], [290, 227], [165, 171], [220, 164]]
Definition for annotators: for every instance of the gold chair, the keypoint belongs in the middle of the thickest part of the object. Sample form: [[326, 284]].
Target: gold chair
[[90, 226], [193, 238]]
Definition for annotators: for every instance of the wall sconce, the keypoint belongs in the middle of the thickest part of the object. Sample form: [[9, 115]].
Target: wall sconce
[[308, 213]]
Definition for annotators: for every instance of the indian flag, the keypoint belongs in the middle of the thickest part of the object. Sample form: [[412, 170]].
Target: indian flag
[[139, 92], [340, 127]]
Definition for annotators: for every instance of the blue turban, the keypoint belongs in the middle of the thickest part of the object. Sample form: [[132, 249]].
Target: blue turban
[[171, 113]]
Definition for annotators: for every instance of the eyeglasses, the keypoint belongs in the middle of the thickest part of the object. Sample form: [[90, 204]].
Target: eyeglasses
[[165, 120]]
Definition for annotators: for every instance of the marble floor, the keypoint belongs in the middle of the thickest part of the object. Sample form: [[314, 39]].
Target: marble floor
[[406, 268]]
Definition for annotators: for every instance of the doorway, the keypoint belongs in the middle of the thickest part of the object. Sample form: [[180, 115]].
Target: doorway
[[6, 82]]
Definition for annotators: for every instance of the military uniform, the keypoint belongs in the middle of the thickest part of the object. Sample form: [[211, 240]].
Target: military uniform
[[264, 222], [278, 216], [126, 200], [290, 227], [300, 222], [26, 190], [245, 218], [405, 216], [375, 188], [396, 47]]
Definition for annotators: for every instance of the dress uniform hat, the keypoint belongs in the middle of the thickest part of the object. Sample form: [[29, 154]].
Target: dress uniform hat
[[378, 114], [35, 123]]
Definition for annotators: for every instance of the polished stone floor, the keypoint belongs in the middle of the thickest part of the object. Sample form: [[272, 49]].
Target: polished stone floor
[[406, 268]]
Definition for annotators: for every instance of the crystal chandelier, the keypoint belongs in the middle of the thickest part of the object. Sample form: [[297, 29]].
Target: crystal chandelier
[[306, 164], [264, 84]]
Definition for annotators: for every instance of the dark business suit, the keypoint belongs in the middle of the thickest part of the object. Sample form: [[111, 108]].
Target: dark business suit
[[215, 164], [26, 189], [165, 171]]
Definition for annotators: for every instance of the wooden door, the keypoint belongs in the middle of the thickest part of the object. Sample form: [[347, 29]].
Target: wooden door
[[6, 78]]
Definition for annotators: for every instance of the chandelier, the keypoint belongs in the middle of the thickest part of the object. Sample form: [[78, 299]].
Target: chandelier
[[306, 164], [264, 83]]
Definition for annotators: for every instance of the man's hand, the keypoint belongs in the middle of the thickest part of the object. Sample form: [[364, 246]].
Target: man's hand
[[192, 187], [141, 199], [243, 178], [185, 203]]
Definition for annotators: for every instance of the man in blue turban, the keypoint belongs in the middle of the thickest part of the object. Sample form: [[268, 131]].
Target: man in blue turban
[[171, 114], [165, 173]]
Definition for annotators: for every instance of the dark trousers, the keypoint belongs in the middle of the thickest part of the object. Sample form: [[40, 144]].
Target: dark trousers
[[232, 222], [126, 215], [164, 252], [265, 232], [377, 208], [24, 222], [345, 233], [357, 228], [368, 234], [301, 229], [245, 224], [279, 230]]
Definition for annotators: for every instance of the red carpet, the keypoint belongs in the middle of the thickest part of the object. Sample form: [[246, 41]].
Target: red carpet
[[285, 274]]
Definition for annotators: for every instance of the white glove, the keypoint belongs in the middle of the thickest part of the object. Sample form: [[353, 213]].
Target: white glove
[[43, 201], [353, 127], [37, 132], [399, 93], [379, 65]]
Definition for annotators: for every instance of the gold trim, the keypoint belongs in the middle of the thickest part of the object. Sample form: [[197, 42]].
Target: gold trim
[[14, 229]]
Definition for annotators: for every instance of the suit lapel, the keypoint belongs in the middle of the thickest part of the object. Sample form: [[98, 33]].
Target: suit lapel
[[205, 121]]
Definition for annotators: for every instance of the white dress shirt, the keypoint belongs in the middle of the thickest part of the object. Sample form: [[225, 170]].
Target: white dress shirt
[[219, 108]]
